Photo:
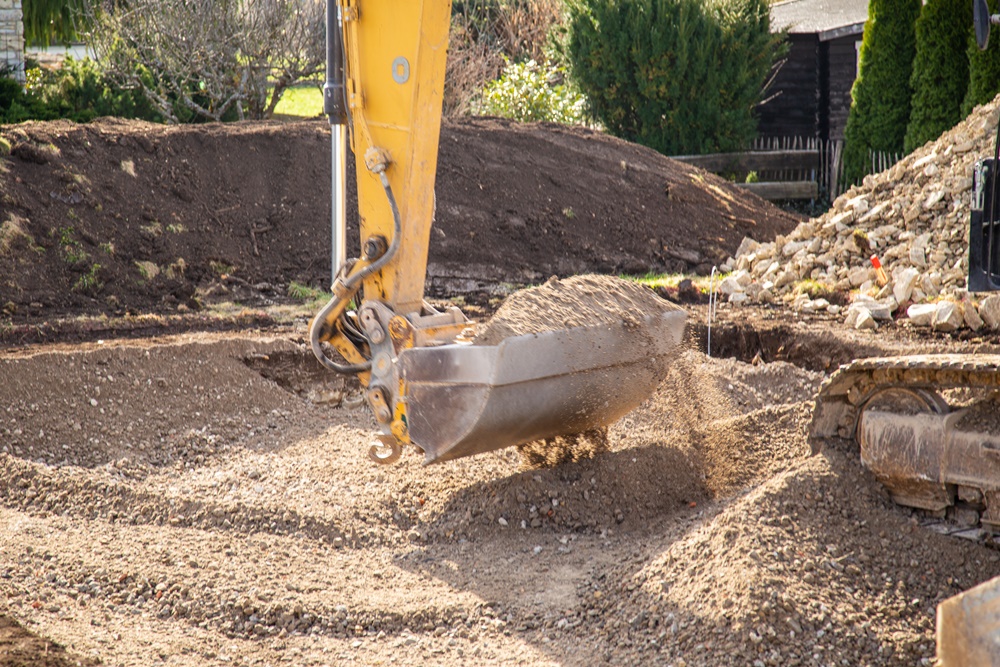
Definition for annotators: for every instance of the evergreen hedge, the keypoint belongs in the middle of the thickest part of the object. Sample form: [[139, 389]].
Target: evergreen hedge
[[881, 94], [679, 76], [940, 76], [984, 69]]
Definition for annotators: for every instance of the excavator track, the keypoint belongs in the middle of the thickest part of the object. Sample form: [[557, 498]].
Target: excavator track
[[842, 396], [940, 458]]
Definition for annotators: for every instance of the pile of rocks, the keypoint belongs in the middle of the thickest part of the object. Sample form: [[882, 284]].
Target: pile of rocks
[[913, 217]]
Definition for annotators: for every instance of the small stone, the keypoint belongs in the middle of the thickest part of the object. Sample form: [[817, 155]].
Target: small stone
[[971, 316], [865, 321], [729, 286], [989, 310], [947, 317], [903, 284], [921, 314]]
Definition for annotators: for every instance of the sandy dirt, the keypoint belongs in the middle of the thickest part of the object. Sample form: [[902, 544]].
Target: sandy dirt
[[165, 501], [206, 497]]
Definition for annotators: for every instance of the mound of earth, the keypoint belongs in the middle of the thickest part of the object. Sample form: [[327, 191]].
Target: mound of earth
[[178, 497], [121, 216]]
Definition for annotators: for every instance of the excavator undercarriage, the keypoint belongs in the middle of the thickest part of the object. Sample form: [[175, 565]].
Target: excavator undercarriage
[[926, 426]]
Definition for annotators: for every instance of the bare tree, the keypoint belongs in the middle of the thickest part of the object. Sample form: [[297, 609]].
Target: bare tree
[[206, 59]]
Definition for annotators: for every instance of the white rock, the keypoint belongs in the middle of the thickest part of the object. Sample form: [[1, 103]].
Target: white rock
[[903, 283], [793, 247], [738, 298], [865, 321], [747, 246], [729, 286], [947, 317], [921, 314], [743, 278], [858, 276], [971, 316], [917, 256], [833, 309], [989, 310], [933, 199], [784, 278]]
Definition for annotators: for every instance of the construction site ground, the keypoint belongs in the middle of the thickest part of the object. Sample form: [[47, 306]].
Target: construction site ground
[[182, 484]]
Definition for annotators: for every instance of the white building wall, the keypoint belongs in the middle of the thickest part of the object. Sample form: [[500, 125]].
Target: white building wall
[[12, 36]]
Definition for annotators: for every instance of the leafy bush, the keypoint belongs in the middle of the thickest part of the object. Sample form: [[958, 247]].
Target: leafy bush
[[680, 76], [527, 92], [487, 33], [940, 71], [881, 94], [77, 91]]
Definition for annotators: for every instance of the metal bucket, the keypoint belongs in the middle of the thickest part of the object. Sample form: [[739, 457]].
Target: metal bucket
[[468, 399]]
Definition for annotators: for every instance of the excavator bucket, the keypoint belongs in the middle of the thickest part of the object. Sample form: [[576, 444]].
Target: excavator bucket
[[468, 399]]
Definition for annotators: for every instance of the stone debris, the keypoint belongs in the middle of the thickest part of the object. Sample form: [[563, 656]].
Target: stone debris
[[914, 217]]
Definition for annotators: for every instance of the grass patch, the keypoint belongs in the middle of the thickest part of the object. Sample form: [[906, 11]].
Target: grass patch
[[90, 281], [814, 289], [176, 228], [71, 248], [13, 231], [304, 101], [221, 269], [148, 270], [4, 147], [671, 280], [304, 293]]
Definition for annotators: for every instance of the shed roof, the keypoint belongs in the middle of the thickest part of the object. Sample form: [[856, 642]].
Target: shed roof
[[829, 18]]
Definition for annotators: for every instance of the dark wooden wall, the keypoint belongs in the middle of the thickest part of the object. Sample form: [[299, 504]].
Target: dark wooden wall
[[843, 68], [794, 111]]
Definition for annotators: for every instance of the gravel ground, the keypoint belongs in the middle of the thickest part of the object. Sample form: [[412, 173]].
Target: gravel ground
[[179, 501]]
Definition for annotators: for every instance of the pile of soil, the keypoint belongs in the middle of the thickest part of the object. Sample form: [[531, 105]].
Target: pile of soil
[[579, 301], [124, 216], [245, 525]]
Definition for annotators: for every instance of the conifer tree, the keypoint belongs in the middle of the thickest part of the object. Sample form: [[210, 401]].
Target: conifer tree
[[940, 76], [984, 69], [881, 94], [680, 76]]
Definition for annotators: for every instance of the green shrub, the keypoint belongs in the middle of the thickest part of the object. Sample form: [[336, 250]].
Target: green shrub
[[881, 94], [77, 91], [527, 92], [940, 76], [984, 69], [680, 76]]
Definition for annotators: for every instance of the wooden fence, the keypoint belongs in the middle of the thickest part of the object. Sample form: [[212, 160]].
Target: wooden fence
[[787, 167]]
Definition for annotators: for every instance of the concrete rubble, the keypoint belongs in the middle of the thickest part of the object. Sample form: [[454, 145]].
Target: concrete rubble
[[913, 216]]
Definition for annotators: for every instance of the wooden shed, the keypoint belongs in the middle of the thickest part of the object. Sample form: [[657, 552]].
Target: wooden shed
[[811, 92]]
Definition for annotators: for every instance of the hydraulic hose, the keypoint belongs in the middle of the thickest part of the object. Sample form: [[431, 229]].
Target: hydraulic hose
[[345, 289]]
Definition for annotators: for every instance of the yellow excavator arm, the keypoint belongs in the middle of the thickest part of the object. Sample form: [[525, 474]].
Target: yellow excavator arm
[[425, 383]]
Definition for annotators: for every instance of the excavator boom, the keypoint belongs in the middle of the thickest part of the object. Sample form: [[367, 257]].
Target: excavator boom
[[427, 382]]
